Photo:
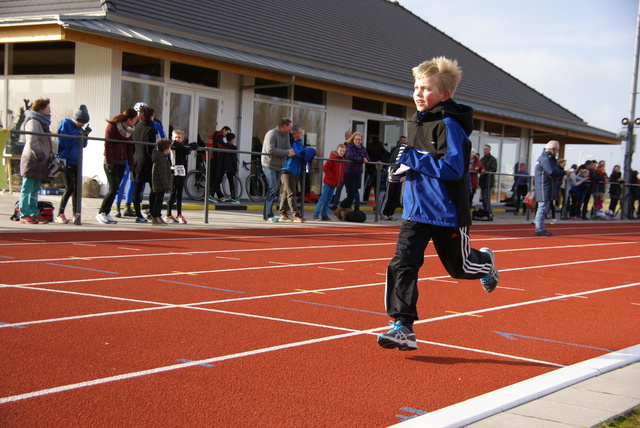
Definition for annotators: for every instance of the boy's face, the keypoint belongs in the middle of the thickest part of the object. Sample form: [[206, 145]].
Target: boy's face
[[178, 138], [426, 93], [341, 151]]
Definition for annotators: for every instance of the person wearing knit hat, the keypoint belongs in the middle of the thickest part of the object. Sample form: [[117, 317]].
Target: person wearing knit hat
[[68, 150], [82, 115]]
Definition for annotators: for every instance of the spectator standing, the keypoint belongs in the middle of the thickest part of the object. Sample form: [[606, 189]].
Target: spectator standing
[[394, 189], [218, 141], [34, 162], [521, 185], [289, 179], [116, 157], [161, 180], [488, 178], [179, 158], [338, 191], [68, 150], [276, 147], [333, 176], [144, 132], [475, 170], [436, 203], [547, 173], [357, 154], [615, 188], [228, 164]]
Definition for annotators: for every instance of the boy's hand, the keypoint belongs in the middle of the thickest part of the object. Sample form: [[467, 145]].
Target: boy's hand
[[394, 176]]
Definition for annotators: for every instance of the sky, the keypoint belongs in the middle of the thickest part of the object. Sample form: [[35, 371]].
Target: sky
[[578, 53]]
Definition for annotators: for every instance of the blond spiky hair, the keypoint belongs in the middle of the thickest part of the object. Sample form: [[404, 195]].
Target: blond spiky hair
[[447, 71]]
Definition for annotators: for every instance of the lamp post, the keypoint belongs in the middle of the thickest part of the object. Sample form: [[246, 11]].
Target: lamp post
[[629, 122]]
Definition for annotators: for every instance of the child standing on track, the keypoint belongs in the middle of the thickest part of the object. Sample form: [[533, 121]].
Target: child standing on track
[[333, 176], [179, 156], [435, 162]]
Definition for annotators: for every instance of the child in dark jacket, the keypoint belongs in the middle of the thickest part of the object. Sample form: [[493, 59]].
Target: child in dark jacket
[[161, 178], [179, 157], [435, 162], [333, 177]]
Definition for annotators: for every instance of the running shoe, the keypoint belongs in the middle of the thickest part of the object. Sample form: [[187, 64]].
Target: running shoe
[[398, 337], [284, 217], [111, 220], [28, 220], [61, 219], [170, 219], [141, 220], [490, 281], [42, 220], [181, 219], [213, 200], [76, 219], [272, 220]]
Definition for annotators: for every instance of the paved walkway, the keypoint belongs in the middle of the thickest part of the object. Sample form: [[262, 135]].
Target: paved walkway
[[583, 395]]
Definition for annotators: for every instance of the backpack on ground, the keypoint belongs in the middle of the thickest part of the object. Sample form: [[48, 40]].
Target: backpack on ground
[[356, 216], [44, 207], [481, 215]]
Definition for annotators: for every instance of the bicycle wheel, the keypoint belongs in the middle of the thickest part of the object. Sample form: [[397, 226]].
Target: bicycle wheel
[[256, 188], [194, 185], [226, 191]]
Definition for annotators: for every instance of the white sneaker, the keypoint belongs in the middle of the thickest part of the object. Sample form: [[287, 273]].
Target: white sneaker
[[102, 218], [110, 219]]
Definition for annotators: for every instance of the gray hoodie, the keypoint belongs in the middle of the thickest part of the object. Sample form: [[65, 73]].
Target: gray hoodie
[[275, 148]]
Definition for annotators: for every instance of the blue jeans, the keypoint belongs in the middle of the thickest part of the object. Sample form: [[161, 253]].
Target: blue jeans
[[29, 197], [322, 207], [273, 182], [543, 209]]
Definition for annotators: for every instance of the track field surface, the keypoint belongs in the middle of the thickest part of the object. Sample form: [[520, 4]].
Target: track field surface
[[277, 327]]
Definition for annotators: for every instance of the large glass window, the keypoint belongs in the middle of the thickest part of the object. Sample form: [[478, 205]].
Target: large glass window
[[367, 105], [194, 74], [304, 95], [141, 66], [271, 93], [313, 122], [396, 110], [42, 58], [134, 92]]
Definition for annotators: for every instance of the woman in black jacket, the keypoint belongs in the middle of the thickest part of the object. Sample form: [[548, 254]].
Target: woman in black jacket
[[144, 132]]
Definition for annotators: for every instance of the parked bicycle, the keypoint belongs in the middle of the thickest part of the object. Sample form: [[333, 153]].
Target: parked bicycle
[[256, 183], [195, 184]]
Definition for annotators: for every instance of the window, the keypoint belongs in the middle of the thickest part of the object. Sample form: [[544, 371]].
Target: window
[[2, 49], [369, 106], [396, 110], [140, 66], [194, 74], [304, 95], [42, 58], [279, 92]]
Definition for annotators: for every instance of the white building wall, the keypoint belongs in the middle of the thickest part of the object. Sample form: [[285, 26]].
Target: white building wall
[[338, 120], [98, 87]]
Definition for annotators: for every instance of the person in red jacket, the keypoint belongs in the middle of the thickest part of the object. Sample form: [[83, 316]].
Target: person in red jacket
[[116, 156], [333, 176]]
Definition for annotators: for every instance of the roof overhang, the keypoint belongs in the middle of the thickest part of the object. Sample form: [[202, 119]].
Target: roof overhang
[[129, 38]]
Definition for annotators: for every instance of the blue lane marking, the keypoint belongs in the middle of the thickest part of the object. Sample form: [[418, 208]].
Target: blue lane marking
[[339, 307], [201, 286], [512, 336], [13, 326], [184, 360], [6, 257], [76, 267], [415, 412]]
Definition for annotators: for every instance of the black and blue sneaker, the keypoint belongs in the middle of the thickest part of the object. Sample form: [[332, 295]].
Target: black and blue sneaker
[[399, 336], [490, 281]]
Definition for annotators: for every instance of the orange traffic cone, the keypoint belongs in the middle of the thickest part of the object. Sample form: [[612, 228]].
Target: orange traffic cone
[[372, 198]]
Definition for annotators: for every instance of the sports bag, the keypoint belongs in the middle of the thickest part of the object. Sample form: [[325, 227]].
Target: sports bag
[[356, 216]]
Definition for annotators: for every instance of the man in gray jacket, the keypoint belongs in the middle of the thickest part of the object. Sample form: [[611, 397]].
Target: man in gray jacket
[[275, 148], [546, 181]]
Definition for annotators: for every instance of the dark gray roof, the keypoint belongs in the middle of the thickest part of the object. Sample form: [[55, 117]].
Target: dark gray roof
[[367, 44]]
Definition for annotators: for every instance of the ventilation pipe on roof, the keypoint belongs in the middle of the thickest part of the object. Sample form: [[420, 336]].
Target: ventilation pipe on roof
[[241, 95]]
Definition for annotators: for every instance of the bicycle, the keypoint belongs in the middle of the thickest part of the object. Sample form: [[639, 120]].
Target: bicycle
[[256, 183], [194, 185]]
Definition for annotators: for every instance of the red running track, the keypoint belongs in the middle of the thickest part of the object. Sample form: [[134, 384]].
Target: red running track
[[269, 327]]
